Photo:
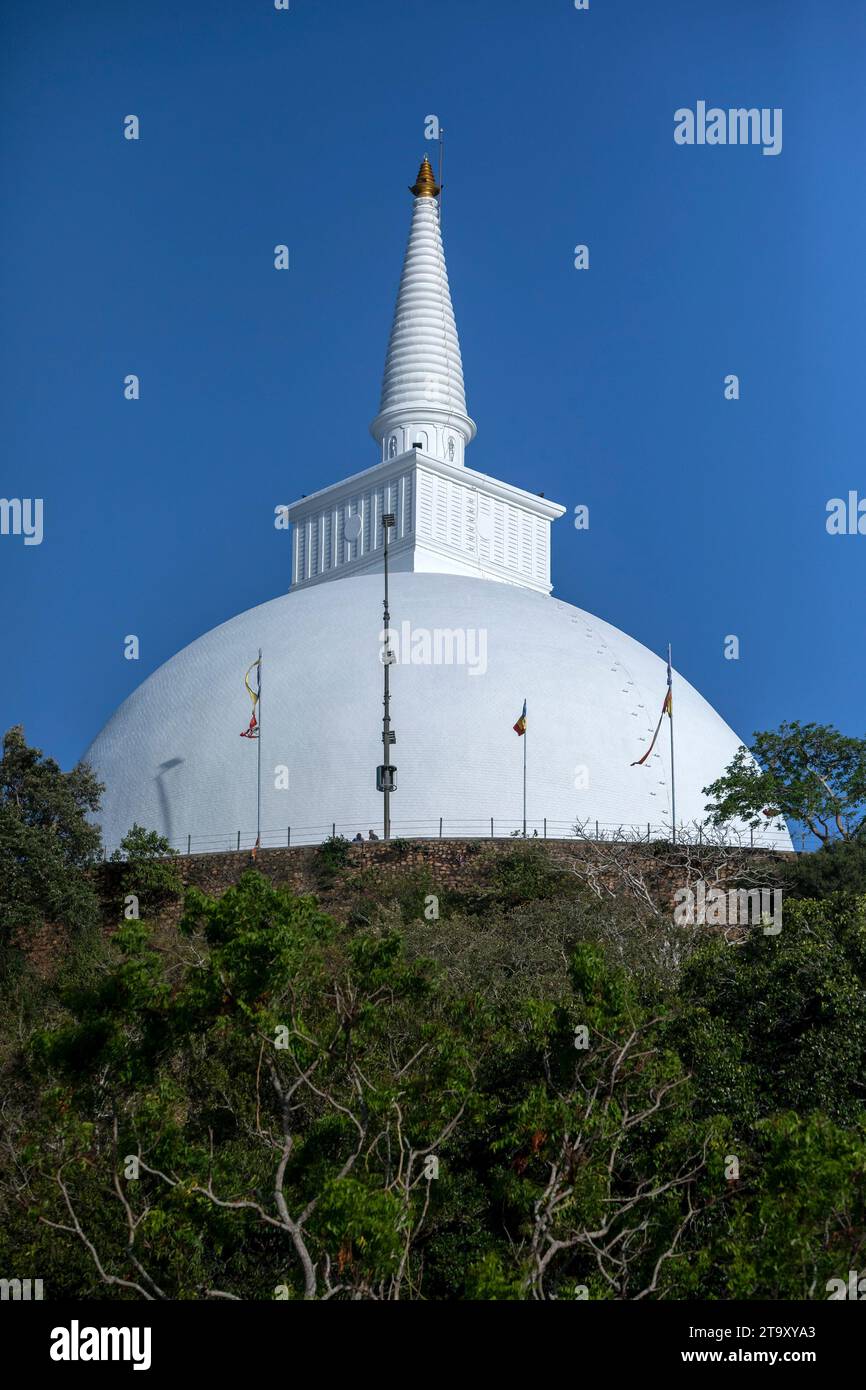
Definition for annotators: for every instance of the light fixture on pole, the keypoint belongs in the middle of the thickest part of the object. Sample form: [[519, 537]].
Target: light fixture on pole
[[386, 773]]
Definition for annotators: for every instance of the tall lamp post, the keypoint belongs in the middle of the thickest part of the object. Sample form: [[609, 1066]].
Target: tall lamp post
[[386, 774]]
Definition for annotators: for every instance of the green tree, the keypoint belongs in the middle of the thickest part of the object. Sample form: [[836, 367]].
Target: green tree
[[276, 1084], [806, 772], [542, 1092], [837, 867], [330, 859], [47, 842], [792, 1218], [602, 1169], [779, 1022], [150, 868]]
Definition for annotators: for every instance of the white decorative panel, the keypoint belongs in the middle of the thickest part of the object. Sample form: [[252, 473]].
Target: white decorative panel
[[526, 546], [498, 533], [485, 528], [542, 549], [408, 502], [327, 553], [471, 533], [456, 498], [424, 490], [440, 509], [512, 551], [474, 525]]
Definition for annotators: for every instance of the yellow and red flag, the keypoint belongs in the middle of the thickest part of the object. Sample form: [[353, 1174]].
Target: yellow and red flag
[[667, 709], [253, 730], [520, 726]]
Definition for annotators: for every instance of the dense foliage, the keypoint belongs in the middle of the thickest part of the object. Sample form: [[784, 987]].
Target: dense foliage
[[46, 840], [150, 875], [540, 1089]]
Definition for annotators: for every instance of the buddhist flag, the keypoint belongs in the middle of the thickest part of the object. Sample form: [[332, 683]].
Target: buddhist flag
[[520, 726], [667, 709], [253, 730]]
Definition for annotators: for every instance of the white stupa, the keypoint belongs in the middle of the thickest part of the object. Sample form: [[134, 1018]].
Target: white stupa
[[475, 632]]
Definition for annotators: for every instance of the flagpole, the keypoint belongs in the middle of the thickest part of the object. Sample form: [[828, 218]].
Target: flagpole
[[673, 780], [525, 736], [259, 760]]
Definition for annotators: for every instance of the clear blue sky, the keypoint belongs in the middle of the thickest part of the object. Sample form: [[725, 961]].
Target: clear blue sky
[[602, 387]]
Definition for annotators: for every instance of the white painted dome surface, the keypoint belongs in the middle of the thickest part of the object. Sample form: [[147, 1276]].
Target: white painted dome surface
[[172, 758]]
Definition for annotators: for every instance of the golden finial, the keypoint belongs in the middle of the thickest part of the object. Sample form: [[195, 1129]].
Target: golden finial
[[425, 186]]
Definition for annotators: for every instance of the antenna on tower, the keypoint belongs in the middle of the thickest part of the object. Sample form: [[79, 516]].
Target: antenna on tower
[[441, 165]]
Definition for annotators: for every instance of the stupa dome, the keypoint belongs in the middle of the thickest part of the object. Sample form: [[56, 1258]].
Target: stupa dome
[[474, 632], [172, 758]]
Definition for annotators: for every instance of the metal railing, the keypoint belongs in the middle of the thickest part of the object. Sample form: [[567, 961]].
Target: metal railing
[[489, 828]]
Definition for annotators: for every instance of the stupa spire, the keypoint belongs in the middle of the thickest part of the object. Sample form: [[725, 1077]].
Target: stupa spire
[[423, 398]]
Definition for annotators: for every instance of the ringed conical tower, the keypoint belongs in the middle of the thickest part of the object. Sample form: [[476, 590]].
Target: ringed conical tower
[[423, 396]]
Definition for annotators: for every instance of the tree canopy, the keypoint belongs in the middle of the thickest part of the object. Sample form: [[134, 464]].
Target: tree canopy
[[809, 773], [543, 1089], [47, 841]]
